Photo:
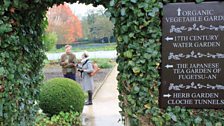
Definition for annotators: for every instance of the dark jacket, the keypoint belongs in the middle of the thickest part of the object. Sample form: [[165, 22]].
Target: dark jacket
[[68, 63]]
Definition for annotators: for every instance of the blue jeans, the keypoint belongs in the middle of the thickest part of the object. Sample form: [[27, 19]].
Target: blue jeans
[[70, 76]]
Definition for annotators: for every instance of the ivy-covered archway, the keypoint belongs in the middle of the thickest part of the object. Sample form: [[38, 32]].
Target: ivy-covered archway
[[138, 33], [22, 23]]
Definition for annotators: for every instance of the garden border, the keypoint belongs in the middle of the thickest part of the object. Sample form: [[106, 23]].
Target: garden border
[[102, 83]]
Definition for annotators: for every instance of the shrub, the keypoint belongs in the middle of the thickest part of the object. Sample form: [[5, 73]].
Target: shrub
[[49, 40], [62, 119], [61, 94]]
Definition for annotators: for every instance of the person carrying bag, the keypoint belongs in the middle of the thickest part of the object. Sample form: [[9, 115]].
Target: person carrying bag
[[87, 80]]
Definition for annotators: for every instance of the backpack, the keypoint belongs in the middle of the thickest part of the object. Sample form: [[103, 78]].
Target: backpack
[[95, 69]]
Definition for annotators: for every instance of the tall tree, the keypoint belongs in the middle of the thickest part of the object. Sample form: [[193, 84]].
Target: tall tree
[[103, 27], [97, 25], [64, 23]]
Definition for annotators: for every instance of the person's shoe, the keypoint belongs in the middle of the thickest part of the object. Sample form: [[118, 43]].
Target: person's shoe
[[88, 103]]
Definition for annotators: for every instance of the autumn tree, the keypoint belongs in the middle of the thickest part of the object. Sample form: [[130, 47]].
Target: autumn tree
[[64, 23]]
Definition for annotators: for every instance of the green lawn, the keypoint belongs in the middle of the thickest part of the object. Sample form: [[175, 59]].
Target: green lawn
[[89, 47], [103, 63]]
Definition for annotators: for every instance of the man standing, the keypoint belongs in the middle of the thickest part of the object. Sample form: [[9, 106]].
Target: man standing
[[68, 63]]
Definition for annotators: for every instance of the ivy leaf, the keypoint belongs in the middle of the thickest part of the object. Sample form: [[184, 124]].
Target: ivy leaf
[[218, 124], [136, 89], [134, 1], [5, 28], [131, 63], [16, 3], [167, 117], [112, 3], [199, 1], [136, 70], [11, 77], [155, 10], [148, 106], [124, 28], [107, 13], [2, 71], [208, 123], [37, 1], [123, 13], [7, 3], [173, 117], [131, 35], [151, 14], [125, 38], [198, 120], [147, 56], [128, 54], [142, 60], [119, 38], [142, 5], [113, 20]]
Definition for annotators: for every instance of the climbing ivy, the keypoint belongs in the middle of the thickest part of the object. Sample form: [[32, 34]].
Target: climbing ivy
[[138, 33], [22, 23]]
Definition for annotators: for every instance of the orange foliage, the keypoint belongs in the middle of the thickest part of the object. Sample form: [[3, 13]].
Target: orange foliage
[[64, 23]]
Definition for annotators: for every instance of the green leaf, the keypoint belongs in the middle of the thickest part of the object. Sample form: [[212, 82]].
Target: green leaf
[[134, 1], [198, 120], [136, 70], [142, 5], [2, 71], [131, 63], [128, 54], [173, 117], [1, 22], [147, 56], [125, 38], [112, 3], [113, 20], [119, 38], [208, 123], [5, 28], [16, 3], [7, 3], [152, 14], [108, 13], [124, 28], [218, 124], [123, 13], [199, 1], [131, 35], [155, 10], [167, 117], [136, 89]]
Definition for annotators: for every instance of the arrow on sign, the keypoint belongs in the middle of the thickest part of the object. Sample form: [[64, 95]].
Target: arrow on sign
[[169, 38], [169, 66], [178, 11], [167, 95]]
